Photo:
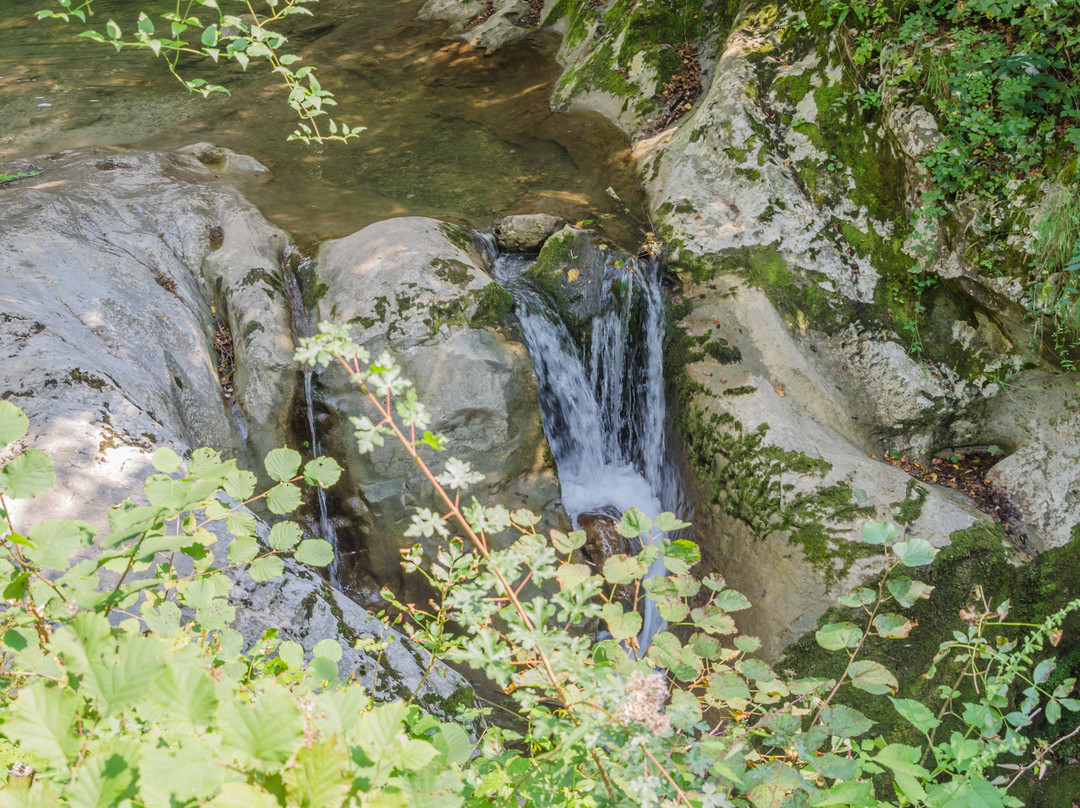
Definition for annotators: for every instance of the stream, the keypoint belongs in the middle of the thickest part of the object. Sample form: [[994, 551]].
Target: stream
[[453, 133], [603, 404]]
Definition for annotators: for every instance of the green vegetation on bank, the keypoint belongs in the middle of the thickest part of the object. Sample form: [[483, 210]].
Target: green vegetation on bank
[[165, 706], [1000, 77]]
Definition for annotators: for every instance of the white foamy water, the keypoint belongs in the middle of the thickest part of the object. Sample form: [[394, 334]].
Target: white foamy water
[[603, 406]]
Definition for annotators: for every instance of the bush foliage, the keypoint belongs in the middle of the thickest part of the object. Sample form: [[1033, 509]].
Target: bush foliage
[[123, 684]]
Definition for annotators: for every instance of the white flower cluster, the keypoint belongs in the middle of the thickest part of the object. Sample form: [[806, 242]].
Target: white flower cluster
[[644, 702]]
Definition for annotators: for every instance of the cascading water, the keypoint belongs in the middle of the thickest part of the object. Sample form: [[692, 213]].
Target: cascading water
[[603, 406], [293, 260]]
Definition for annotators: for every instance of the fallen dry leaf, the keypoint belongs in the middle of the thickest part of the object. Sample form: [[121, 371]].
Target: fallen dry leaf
[[780, 391], [572, 275]]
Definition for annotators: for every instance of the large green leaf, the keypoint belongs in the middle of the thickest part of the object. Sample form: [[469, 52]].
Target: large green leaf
[[916, 713], [318, 779], [622, 625], [283, 498], [104, 775], [57, 540], [893, 626], [243, 549], [116, 681], [26, 475], [182, 694], [315, 552], [906, 591], [844, 721], [322, 471], [179, 776], [284, 535], [379, 727], [266, 568], [264, 734], [166, 460], [914, 552], [623, 569], [282, 464], [13, 423], [872, 677], [42, 721], [834, 636], [633, 523]]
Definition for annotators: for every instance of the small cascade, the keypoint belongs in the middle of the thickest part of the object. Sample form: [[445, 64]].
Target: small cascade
[[292, 260], [604, 405]]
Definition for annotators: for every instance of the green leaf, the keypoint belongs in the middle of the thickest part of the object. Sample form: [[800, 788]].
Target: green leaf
[[902, 760], [13, 423], [379, 727], [572, 575], [872, 677], [768, 795], [855, 793], [622, 625], [317, 779], [623, 569], [1043, 670], [282, 464], [567, 543], [284, 535], [893, 626], [184, 694], [163, 620], [906, 591], [265, 734], [180, 776], [115, 681], [322, 471], [284, 498], [914, 552], [633, 523], [166, 460], [916, 713], [858, 598], [292, 653], [669, 523], [42, 720], [209, 36], [266, 568], [844, 721], [237, 794], [834, 636], [26, 475], [680, 555], [713, 620], [239, 484], [55, 541], [328, 649], [879, 532], [315, 552], [104, 776], [243, 549], [731, 601]]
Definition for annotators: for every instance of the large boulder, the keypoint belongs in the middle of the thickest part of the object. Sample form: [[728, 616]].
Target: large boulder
[[113, 268], [417, 288], [782, 464]]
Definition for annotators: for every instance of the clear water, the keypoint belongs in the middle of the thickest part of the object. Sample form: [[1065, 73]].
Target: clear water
[[603, 406], [453, 132]]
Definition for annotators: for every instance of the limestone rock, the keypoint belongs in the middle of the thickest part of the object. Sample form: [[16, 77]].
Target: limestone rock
[[107, 277], [782, 481], [524, 232], [1037, 421], [501, 27], [413, 286]]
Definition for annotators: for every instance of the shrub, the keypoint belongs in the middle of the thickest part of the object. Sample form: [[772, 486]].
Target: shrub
[[164, 707]]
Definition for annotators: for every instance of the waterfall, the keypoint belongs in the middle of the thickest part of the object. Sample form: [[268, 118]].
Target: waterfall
[[293, 260], [603, 405]]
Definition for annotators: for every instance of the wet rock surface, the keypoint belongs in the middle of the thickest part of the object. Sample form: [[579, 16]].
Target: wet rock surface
[[116, 271], [417, 287]]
